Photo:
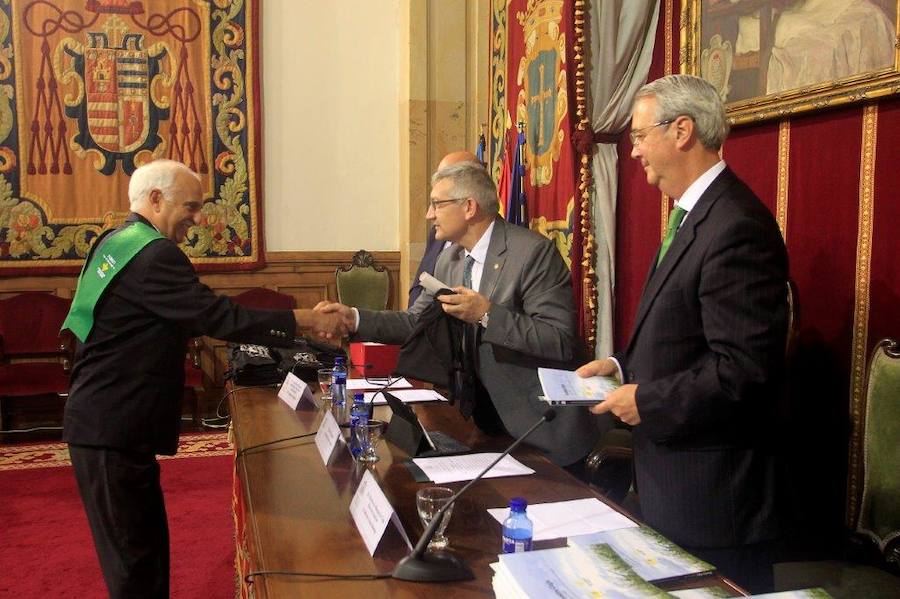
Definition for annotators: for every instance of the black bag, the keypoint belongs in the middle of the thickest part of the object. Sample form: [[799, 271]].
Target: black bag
[[259, 365]]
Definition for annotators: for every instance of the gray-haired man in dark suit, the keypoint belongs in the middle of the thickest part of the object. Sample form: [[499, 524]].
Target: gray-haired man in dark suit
[[702, 367]]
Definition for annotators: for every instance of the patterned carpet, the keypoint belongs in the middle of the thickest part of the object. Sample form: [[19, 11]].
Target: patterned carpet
[[48, 455]]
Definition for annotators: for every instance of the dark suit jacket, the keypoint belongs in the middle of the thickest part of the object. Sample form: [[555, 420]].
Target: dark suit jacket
[[433, 249], [128, 377], [706, 352]]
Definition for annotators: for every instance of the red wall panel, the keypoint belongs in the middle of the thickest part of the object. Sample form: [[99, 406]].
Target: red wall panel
[[752, 153], [884, 298]]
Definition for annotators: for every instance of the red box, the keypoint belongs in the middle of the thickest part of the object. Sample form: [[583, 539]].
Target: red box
[[373, 359]]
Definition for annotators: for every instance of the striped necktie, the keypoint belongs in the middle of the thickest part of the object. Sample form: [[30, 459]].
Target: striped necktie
[[675, 218], [467, 273]]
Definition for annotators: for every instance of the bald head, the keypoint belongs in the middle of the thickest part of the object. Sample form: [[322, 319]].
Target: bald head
[[456, 158]]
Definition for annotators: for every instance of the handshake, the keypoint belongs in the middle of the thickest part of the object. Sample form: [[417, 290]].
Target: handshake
[[330, 320]]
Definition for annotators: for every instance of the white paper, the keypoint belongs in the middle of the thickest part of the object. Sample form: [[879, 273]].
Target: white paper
[[569, 518], [448, 469], [376, 383], [293, 391], [328, 435], [371, 512], [406, 396]]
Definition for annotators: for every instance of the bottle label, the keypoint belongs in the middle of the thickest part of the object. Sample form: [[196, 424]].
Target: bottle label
[[511, 545]]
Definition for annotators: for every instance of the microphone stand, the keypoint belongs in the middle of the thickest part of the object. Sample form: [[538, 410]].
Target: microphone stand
[[443, 566]]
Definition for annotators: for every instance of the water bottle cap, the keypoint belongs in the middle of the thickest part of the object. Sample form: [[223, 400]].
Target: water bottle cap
[[518, 504], [339, 360], [358, 397]]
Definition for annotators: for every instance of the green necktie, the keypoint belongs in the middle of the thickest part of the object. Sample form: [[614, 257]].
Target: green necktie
[[675, 218]]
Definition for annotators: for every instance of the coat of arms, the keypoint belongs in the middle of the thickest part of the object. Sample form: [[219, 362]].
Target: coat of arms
[[542, 101], [116, 113]]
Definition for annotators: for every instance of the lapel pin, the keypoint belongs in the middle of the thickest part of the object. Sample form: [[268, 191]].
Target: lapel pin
[[496, 266]]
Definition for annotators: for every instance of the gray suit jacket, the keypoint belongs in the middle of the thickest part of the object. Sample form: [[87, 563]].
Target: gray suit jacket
[[532, 323]]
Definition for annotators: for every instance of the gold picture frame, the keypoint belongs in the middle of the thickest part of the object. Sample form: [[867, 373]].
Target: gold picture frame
[[770, 59]]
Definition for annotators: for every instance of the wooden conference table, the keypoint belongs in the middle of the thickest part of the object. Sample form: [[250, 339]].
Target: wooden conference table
[[292, 513]]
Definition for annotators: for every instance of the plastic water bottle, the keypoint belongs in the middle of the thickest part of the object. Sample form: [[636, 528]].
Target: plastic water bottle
[[359, 416], [517, 528], [339, 390]]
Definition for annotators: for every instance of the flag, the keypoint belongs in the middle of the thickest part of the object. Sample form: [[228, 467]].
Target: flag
[[516, 211], [504, 181]]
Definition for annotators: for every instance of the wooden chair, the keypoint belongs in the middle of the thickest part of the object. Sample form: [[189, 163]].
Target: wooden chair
[[362, 283], [871, 564], [266, 299], [34, 359], [193, 378]]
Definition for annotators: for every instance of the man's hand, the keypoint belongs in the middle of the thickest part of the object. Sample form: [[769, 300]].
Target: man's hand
[[466, 304], [331, 325], [620, 402], [605, 367], [344, 313]]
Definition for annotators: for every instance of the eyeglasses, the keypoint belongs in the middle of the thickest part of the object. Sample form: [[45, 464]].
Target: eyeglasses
[[435, 204], [637, 136]]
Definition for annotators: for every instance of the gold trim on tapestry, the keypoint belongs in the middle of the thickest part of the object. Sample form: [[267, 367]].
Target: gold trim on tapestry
[[861, 304], [784, 156], [668, 49], [589, 288], [669, 46]]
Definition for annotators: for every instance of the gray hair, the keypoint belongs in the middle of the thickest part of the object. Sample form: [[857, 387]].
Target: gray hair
[[686, 95], [159, 174], [470, 180]]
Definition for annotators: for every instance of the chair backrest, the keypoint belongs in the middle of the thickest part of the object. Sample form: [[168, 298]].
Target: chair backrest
[[879, 514], [30, 323], [266, 299], [363, 284]]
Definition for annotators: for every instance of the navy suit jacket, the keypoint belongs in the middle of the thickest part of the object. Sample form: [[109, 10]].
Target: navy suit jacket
[[707, 351], [433, 249], [128, 377]]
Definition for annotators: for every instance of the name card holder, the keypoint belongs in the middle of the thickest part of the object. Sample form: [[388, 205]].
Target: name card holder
[[328, 437], [372, 512], [293, 391]]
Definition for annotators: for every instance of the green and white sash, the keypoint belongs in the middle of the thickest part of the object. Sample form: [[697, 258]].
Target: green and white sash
[[102, 267]]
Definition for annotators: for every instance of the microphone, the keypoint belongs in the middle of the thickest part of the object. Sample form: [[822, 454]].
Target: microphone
[[443, 566]]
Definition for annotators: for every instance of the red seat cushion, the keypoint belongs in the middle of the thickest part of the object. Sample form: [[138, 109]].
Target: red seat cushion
[[33, 378], [193, 376]]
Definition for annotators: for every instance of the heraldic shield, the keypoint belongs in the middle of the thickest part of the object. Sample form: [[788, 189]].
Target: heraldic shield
[[116, 115]]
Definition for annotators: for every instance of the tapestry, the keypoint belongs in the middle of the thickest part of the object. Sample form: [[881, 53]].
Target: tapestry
[[533, 88], [92, 89]]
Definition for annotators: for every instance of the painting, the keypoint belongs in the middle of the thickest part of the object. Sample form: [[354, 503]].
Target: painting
[[772, 58]]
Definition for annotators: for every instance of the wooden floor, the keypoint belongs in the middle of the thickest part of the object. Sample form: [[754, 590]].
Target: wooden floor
[[45, 414]]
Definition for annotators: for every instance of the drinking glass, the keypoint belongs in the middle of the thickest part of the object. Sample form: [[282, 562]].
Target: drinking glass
[[428, 501], [367, 436], [325, 384]]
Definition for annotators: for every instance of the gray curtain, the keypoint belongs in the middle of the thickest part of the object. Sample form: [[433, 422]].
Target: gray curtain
[[622, 33]]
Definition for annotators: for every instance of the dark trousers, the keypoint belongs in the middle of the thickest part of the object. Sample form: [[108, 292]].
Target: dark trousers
[[750, 566], [124, 504]]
